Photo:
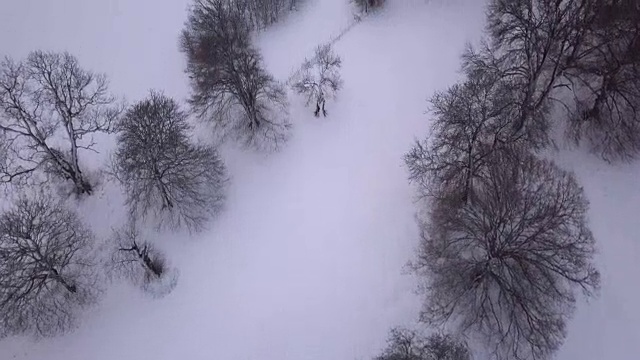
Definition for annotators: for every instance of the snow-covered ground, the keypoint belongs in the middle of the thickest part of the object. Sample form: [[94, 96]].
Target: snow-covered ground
[[307, 260]]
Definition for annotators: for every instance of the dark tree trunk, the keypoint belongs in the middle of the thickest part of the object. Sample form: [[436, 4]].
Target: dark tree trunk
[[143, 254], [82, 186], [155, 269], [70, 287]]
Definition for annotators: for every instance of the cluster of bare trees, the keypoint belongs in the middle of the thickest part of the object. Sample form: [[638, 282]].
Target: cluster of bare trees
[[505, 246], [166, 175], [319, 79], [230, 87], [580, 56], [50, 108], [605, 77]]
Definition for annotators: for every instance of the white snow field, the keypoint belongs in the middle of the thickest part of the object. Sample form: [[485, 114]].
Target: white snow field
[[306, 261]]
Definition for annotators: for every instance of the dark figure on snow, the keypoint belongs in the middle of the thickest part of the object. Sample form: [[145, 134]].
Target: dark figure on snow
[[320, 105]]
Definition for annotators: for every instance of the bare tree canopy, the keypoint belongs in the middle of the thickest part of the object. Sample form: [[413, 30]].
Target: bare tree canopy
[[262, 13], [46, 271], [367, 5], [320, 78], [49, 109], [579, 54], [135, 258], [472, 120], [230, 87], [162, 172], [529, 42], [605, 78], [504, 267], [406, 344]]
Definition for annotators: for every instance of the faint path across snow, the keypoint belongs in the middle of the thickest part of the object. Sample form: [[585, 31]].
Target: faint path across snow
[[287, 44], [332, 40]]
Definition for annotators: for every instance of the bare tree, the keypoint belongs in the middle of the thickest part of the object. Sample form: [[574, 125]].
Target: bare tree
[[504, 267], [46, 268], [320, 78], [262, 13], [138, 260], [531, 42], [604, 77], [230, 87], [472, 120], [366, 5], [162, 171], [406, 344], [580, 54], [45, 102], [293, 4]]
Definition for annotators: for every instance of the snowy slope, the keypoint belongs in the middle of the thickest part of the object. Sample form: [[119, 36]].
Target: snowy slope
[[306, 261], [608, 327]]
